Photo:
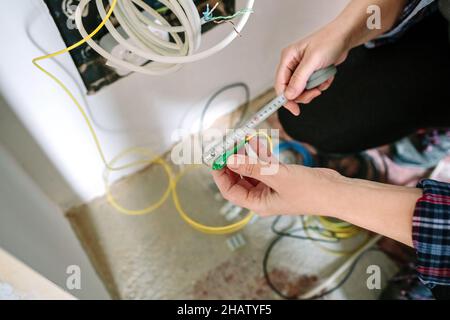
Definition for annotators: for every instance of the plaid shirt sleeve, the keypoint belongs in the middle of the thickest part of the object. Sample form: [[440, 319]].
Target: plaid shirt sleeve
[[414, 11], [431, 233]]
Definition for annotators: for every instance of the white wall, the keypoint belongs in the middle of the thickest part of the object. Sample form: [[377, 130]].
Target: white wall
[[36, 232], [138, 110]]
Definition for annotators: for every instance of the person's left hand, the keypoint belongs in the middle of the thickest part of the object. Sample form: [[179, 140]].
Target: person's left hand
[[291, 189]]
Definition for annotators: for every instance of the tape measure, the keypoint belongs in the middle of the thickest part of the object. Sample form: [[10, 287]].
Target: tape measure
[[216, 157]]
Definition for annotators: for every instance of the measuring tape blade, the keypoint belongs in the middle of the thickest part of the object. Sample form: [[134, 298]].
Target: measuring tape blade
[[217, 155], [232, 140]]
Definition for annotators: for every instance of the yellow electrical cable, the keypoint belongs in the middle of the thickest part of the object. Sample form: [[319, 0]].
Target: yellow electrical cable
[[341, 229], [69, 93], [335, 227], [113, 202], [234, 227], [335, 224], [265, 135]]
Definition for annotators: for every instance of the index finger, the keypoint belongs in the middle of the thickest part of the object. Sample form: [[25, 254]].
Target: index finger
[[286, 68], [232, 187]]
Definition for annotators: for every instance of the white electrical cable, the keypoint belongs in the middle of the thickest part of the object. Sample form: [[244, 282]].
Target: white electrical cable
[[340, 271], [167, 56]]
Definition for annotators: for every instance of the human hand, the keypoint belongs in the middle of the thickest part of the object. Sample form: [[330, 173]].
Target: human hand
[[299, 61], [294, 190], [291, 189]]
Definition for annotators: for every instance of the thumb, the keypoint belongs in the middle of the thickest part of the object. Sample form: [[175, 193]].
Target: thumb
[[253, 168]]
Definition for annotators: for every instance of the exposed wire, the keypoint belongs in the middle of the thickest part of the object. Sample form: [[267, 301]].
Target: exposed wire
[[166, 55], [208, 14], [232, 24]]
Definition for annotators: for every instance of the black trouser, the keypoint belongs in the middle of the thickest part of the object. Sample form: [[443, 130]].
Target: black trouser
[[381, 95]]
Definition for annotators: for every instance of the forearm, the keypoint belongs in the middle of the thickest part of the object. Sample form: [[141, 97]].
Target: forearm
[[352, 22], [381, 208]]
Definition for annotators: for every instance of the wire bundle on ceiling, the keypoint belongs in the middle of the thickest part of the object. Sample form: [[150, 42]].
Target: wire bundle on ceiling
[[139, 21]]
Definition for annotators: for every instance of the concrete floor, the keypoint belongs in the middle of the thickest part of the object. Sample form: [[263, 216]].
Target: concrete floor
[[159, 256]]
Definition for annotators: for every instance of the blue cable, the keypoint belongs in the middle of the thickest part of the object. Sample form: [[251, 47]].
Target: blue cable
[[297, 147]]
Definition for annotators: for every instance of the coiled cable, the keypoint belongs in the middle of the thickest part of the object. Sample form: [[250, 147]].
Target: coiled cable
[[167, 56]]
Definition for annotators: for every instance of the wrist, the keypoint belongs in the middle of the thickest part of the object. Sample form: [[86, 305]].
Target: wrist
[[343, 28], [324, 186], [381, 208], [352, 22]]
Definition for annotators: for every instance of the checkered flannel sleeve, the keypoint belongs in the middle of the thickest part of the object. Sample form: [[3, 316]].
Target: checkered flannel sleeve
[[431, 233]]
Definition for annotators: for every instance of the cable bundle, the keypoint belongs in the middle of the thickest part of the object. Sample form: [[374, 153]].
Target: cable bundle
[[138, 21], [330, 231]]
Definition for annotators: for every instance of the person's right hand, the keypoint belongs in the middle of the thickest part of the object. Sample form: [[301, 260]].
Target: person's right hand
[[299, 61]]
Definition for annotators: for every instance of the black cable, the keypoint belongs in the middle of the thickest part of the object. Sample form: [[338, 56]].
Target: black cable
[[290, 234], [269, 250], [350, 272], [217, 94]]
